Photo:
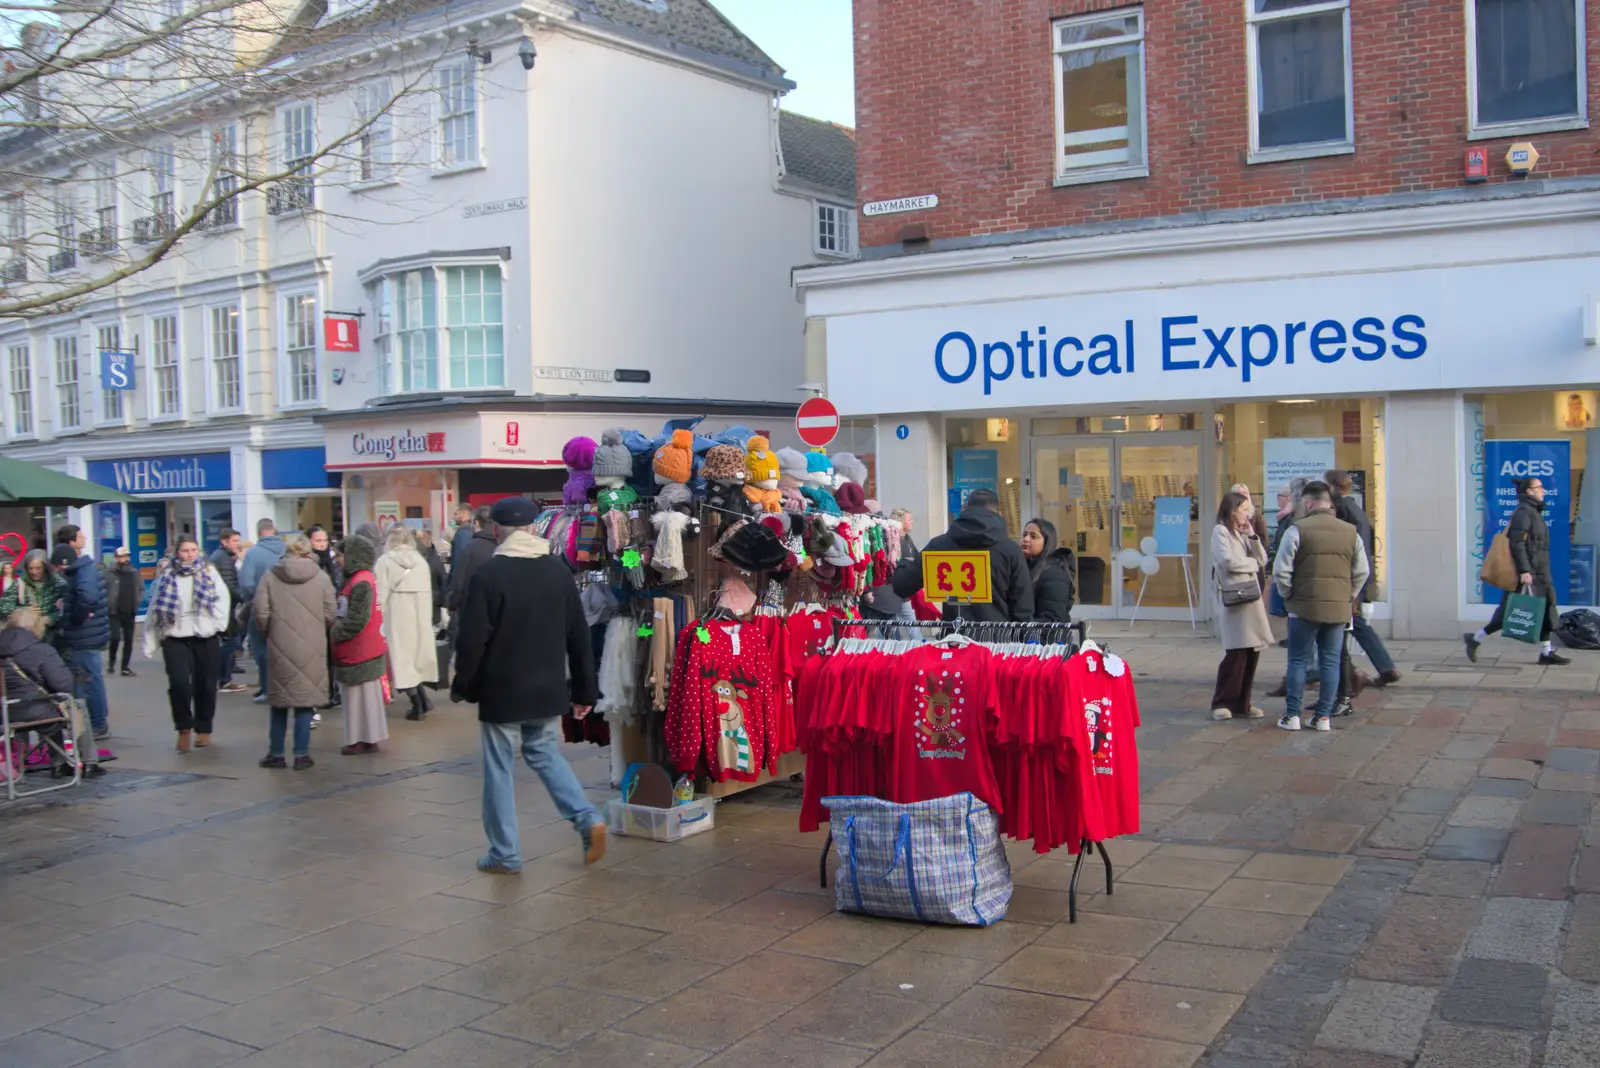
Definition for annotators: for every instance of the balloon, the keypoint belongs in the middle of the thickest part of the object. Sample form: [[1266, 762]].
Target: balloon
[[1147, 546], [1149, 565], [1129, 559]]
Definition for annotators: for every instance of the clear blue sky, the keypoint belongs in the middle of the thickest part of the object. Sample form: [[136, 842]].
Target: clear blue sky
[[813, 41]]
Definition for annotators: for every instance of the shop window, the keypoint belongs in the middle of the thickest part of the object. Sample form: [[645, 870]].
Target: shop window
[[1271, 446], [859, 437], [440, 328], [1525, 65], [985, 454], [1550, 435], [1300, 78], [1099, 94], [1116, 424]]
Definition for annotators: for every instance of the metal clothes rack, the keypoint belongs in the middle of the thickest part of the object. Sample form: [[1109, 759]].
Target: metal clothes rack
[[1044, 633]]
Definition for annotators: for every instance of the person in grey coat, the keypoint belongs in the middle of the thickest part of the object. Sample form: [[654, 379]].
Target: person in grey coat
[[294, 607]]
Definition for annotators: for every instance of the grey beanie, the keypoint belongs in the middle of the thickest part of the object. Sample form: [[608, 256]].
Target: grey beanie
[[612, 459]]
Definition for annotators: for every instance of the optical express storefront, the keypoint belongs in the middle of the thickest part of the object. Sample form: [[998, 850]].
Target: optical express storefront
[[1117, 385]]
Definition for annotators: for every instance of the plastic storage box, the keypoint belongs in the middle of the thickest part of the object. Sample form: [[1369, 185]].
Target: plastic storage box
[[662, 824]]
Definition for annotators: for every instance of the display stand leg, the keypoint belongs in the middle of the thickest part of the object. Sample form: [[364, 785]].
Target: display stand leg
[[1085, 846], [822, 864], [1191, 590], [1138, 601]]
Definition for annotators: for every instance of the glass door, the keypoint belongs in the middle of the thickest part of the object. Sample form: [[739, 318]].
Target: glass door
[[1107, 494]]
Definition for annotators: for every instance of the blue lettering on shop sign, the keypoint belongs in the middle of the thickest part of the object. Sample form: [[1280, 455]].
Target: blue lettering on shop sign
[[1246, 348]]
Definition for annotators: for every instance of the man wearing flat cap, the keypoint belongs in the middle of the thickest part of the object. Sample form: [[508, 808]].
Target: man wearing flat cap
[[523, 656]]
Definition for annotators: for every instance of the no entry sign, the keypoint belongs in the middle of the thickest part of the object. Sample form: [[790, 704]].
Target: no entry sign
[[817, 422]]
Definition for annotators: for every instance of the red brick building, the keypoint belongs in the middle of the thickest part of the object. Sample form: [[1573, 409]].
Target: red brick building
[[1225, 104]]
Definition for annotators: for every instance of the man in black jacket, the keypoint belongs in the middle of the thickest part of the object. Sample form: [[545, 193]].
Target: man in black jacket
[[464, 564], [525, 658], [1348, 509], [979, 526], [124, 591], [226, 560]]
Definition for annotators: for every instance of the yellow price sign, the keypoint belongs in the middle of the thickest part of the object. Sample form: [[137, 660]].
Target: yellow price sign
[[957, 576]]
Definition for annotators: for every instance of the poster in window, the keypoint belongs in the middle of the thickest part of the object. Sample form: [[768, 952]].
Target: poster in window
[[1575, 409]]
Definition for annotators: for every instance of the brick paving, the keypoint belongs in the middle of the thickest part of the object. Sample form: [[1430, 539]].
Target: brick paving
[[1419, 888]]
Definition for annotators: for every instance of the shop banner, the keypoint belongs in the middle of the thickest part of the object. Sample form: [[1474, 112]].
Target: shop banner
[[107, 531], [200, 473], [1476, 509], [1581, 588], [1287, 459], [148, 520], [1172, 526], [1551, 463]]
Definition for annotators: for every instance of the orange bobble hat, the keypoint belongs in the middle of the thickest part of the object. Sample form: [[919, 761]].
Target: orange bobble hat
[[675, 460]]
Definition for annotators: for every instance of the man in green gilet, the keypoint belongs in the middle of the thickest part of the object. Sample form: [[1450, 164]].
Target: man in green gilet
[[1320, 570]]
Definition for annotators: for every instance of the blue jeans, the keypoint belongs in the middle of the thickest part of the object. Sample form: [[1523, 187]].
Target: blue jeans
[[258, 649], [541, 748], [1328, 641], [1369, 641], [230, 658], [89, 684], [280, 726]]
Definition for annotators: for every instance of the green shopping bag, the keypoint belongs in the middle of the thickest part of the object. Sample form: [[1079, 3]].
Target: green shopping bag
[[1524, 617]]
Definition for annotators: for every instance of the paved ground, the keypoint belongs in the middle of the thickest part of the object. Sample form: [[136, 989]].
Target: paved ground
[[1421, 887]]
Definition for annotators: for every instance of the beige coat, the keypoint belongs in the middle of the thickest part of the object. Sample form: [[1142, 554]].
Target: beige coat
[[405, 595], [1244, 626], [294, 607]]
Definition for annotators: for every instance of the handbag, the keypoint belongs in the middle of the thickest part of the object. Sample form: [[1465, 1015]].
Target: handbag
[[938, 861], [1239, 589], [1524, 616], [1498, 569]]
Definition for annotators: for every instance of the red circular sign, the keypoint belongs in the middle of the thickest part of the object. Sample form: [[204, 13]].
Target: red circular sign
[[817, 422]]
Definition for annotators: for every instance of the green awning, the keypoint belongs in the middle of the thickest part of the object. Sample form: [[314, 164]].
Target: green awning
[[25, 483]]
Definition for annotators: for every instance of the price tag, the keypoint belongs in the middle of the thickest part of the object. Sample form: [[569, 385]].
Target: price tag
[[646, 631], [957, 576], [631, 558], [703, 634]]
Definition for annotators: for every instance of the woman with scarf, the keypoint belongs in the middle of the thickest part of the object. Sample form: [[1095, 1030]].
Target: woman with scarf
[[360, 655], [185, 618], [37, 585], [1055, 583]]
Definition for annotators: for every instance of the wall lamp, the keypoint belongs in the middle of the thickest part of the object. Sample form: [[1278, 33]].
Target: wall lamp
[[527, 53], [482, 55]]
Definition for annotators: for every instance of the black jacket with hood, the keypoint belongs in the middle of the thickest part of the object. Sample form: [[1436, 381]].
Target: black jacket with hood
[[1529, 536], [1055, 583], [474, 556], [33, 671], [980, 528]]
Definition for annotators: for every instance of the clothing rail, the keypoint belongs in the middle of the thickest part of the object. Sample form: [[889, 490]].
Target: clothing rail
[[1077, 633]]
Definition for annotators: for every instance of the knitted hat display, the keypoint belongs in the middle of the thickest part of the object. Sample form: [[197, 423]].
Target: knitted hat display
[[819, 469], [751, 547], [675, 460], [791, 468], [612, 459], [673, 495], [578, 455], [736, 596], [820, 500], [851, 499], [761, 463], [849, 465], [724, 463], [789, 499]]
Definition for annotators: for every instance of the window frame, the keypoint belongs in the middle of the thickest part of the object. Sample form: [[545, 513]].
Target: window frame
[[1253, 22], [442, 164], [387, 292], [1479, 131], [224, 188], [103, 414], [58, 423], [1110, 172], [23, 394], [297, 191], [375, 163], [213, 380], [153, 386], [286, 376], [845, 223]]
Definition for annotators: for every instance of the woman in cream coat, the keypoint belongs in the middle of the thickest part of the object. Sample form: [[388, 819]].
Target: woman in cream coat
[[1237, 553], [405, 596]]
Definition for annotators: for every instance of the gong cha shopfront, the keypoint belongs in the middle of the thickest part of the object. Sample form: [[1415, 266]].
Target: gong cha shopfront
[[1121, 401]]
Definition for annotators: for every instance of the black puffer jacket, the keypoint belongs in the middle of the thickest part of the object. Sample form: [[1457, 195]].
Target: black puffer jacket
[[228, 570], [440, 580], [33, 671], [1055, 586], [1347, 509], [979, 528], [1529, 536], [85, 619]]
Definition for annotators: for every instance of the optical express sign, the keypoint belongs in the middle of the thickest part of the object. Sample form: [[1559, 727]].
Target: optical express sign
[[1462, 328]]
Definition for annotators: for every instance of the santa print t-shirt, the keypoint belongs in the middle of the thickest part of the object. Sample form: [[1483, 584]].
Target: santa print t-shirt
[[945, 704], [1100, 688]]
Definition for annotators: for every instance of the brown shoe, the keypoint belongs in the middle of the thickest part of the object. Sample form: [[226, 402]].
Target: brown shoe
[[1388, 678], [1281, 690], [594, 844], [202, 740], [183, 741], [1362, 681]]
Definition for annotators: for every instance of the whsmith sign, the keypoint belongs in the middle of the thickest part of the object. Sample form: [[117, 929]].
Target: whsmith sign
[[1450, 328], [207, 472]]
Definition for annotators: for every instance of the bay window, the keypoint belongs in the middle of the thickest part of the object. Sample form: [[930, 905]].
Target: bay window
[[440, 328]]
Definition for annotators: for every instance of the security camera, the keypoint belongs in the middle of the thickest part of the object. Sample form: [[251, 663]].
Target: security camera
[[527, 53]]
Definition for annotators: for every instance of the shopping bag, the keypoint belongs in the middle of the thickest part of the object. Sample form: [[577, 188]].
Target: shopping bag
[[1498, 569], [1524, 617], [937, 861]]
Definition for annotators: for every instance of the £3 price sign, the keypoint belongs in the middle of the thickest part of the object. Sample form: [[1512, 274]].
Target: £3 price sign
[[957, 576]]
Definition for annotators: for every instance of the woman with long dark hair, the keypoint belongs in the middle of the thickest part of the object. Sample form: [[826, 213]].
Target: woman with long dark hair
[[1051, 566], [1237, 557]]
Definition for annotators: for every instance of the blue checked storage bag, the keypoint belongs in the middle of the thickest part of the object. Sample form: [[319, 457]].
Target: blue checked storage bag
[[937, 861]]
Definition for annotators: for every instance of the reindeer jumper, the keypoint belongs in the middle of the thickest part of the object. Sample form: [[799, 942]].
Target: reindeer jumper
[[721, 710]]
